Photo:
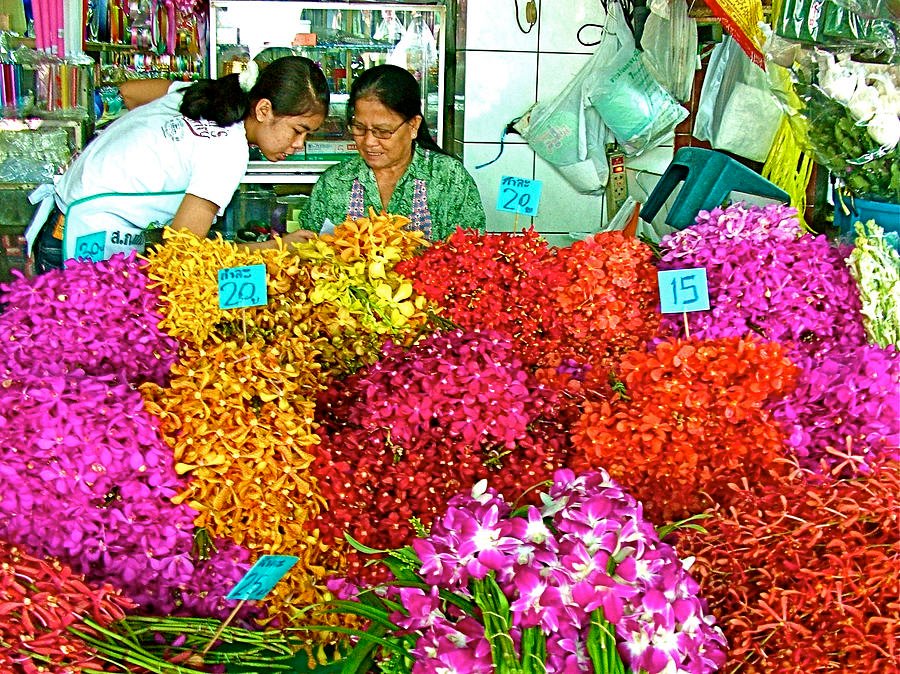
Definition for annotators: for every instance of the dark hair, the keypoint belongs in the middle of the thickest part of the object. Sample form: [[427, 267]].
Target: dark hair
[[294, 84], [397, 90]]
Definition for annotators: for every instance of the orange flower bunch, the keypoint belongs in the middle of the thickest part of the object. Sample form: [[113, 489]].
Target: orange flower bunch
[[185, 272], [804, 573], [691, 419], [376, 236], [238, 418], [608, 304], [238, 409]]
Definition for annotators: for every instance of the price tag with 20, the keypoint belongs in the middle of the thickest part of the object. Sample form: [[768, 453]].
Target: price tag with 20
[[243, 287]]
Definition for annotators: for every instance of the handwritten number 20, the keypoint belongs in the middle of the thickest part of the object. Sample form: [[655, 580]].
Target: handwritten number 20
[[235, 293], [86, 249], [523, 199], [688, 287]]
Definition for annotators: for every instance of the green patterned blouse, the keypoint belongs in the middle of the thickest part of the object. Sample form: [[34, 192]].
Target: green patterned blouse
[[453, 198]]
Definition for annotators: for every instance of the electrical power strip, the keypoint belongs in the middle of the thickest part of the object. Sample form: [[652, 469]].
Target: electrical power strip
[[617, 188]]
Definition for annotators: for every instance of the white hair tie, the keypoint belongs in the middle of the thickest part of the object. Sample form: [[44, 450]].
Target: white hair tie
[[248, 77]]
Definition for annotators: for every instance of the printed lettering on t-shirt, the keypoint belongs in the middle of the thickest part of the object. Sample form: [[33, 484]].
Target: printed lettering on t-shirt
[[203, 129], [174, 129]]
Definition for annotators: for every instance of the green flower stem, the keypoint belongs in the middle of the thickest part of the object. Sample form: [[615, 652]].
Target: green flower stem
[[118, 651], [601, 645], [495, 613], [534, 651]]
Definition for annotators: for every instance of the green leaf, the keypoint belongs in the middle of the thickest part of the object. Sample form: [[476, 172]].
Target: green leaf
[[460, 602], [667, 529], [372, 613], [364, 548]]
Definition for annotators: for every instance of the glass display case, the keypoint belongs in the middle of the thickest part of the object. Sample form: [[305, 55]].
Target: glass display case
[[344, 38]]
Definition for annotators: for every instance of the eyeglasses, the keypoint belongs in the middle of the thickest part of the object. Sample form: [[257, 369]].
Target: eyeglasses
[[357, 130]]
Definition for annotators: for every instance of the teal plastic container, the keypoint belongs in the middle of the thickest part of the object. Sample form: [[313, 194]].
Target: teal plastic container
[[885, 215]]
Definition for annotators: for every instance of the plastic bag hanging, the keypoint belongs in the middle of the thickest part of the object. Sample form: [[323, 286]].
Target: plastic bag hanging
[[670, 48], [417, 49], [737, 112]]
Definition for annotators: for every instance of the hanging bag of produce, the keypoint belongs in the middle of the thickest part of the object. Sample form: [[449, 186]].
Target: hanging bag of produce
[[566, 131], [633, 105]]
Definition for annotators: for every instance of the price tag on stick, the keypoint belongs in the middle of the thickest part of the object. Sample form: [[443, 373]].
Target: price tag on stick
[[262, 577], [519, 195], [91, 246], [683, 290], [243, 287]]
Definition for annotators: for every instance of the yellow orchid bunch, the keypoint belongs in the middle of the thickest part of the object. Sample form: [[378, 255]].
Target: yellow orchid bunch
[[357, 298], [238, 417]]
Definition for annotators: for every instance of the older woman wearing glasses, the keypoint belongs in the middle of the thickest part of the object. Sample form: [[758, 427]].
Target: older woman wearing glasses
[[400, 169]]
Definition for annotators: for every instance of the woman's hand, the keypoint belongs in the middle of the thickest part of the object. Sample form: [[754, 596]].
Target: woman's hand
[[299, 236]]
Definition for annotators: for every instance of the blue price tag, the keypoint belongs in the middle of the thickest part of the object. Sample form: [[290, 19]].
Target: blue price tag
[[519, 195], [262, 577], [243, 287], [682, 290], [91, 246]]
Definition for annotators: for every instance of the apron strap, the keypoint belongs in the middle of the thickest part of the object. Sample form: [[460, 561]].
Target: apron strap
[[357, 200], [421, 216]]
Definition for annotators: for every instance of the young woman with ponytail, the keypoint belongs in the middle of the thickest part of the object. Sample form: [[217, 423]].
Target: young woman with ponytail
[[399, 169], [177, 157]]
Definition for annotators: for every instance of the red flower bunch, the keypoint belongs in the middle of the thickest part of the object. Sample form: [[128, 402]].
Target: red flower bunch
[[493, 281], [585, 305], [804, 573], [690, 410], [425, 423], [608, 303], [39, 602]]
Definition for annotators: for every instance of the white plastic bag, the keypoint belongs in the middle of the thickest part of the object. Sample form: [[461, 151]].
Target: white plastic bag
[[567, 131], [669, 42], [737, 112]]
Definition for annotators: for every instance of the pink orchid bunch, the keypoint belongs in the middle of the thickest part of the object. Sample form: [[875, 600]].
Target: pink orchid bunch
[[767, 277], [86, 478], [428, 421], [100, 318], [581, 584], [845, 406]]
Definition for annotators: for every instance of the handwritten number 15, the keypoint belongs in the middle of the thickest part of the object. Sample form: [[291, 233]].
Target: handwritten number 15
[[688, 287]]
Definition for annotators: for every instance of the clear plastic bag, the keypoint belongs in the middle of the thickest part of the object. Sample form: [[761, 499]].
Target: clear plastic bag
[[635, 107], [670, 49]]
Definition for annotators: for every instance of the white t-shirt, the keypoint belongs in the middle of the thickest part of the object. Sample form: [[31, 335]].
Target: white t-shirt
[[151, 149]]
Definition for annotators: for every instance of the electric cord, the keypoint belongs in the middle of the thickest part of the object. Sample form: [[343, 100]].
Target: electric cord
[[510, 128]]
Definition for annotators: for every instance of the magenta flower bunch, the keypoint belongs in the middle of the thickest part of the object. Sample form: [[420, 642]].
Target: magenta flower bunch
[[86, 478], [845, 407], [581, 584], [100, 318], [426, 421], [768, 278]]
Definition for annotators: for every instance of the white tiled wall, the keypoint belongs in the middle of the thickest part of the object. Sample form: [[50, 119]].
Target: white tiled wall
[[505, 72]]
